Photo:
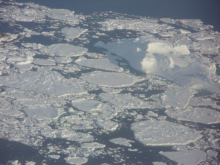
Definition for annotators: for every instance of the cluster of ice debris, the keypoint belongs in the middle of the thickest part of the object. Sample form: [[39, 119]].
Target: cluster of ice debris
[[158, 80]]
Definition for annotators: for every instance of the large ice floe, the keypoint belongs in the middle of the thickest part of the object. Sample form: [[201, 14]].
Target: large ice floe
[[107, 88], [170, 60], [163, 133]]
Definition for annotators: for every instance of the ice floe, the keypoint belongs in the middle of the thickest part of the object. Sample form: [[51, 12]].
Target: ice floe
[[90, 105], [110, 79], [71, 33], [41, 112], [163, 133], [107, 125], [44, 62], [121, 141], [50, 83], [92, 145], [195, 114], [124, 100], [104, 64], [189, 157], [76, 160], [159, 163], [177, 97], [175, 62], [147, 54], [65, 50], [146, 25]]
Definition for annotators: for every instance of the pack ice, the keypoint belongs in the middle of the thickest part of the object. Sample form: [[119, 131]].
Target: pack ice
[[153, 78]]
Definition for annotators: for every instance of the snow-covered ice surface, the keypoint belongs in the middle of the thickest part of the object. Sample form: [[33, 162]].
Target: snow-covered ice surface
[[189, 157], [107, 88]]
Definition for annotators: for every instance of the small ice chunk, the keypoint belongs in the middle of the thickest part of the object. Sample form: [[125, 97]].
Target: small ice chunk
[[168, 20], [104, 64], [124, 100], [212, 153], [159, 163], [65, 50], [163, 133], [121, 141], [63, 15], [76, 160], [92, 145], [189, 157], [24, 67], [87, 105], [44, 62], [48, 82], [54, 156], [74, 136], [13, 162], [110, 79], [63, 60], [41, 112], [195, 24], [107, 125], [30, 163], [200, 115], [177, 97], [71, 33]]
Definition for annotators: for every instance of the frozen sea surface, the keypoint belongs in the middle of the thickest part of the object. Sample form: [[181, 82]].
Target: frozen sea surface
[[106, 87]]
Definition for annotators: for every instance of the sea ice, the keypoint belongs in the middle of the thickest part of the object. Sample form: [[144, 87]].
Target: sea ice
[[163, 133], [177, 97], [54, 156], [194, 24], [195, 114], [121, 141], [159, 163], [44, 62], [73, 136], [65, 50], [71, 33], [76, 160], [107, 125], [110, 79], [104, 64], [124, 100], [174, 62], [30, 163], [64, 15], [49, 82], [142, 25], [90, 105], [92, 145], [189, 157], [41, 112], [147, 54]]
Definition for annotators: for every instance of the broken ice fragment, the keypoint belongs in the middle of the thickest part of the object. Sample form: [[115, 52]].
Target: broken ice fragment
[[121, 141], [104, 64], [107, 125], [76, 160], [44, 62], [65, 50], [110, 79], [71, 33], [163, 133], [41, 112], [200, 115], [189, 157]]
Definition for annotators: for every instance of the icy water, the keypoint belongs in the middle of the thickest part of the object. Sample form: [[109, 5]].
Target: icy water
[[109, 82]]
